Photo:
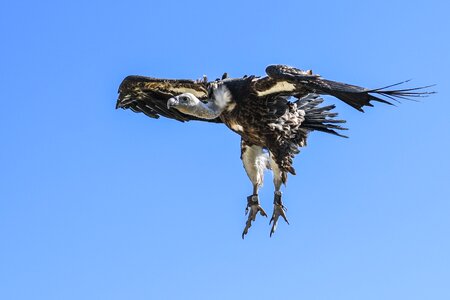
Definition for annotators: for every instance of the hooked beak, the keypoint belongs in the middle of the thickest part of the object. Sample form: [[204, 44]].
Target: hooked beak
[[172, 102]]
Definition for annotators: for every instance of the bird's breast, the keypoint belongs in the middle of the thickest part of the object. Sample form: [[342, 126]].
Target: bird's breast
[[231, 119], [236, 126]]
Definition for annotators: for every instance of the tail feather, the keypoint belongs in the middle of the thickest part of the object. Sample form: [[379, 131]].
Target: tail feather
[[319, 118]]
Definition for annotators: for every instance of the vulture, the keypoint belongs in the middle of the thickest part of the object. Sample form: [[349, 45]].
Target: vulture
[[273, 114]]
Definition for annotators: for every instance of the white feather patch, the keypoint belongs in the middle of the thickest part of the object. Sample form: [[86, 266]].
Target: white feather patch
[[282, 86], [236, 127], [255, 162], [196, 93], [222, 96], [277, 178]]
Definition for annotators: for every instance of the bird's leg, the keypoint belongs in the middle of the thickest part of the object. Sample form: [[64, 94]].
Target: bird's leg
[[279, 177], [278, 210], [252, 209], [255, 162]]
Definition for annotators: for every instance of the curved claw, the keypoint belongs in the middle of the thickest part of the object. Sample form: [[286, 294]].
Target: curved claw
[[252, 210], [278, 210]]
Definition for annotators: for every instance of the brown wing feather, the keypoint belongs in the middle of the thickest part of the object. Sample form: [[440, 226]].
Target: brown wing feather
[[305, 82], [149, 96]]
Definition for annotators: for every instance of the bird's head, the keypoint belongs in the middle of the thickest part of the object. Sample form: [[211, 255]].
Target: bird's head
[[186, 103]]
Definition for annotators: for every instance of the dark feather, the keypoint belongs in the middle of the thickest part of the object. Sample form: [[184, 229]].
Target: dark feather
[[319, 118], [353, 95]]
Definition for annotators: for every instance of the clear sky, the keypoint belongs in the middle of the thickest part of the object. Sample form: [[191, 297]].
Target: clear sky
[[98, 203]]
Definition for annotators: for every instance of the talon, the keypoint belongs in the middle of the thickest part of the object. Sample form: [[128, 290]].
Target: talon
[[252, 210], [278, 210]]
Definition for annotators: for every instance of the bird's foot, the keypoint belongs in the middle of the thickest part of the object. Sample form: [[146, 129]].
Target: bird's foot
[[278, 210], [252, 210]]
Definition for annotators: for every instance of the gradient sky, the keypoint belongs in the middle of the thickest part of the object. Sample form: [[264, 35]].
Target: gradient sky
[[98, 203]]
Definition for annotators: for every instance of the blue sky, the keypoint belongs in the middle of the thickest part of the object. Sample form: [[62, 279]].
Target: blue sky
[[97, 203]]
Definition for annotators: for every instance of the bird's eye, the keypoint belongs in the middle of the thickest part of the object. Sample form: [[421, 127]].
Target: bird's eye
[[185, 98]]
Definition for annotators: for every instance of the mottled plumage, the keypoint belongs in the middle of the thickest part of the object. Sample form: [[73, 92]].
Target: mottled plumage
[[271, 125]]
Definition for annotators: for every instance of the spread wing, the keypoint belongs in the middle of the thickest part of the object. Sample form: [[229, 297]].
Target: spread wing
[[149, 96], [294, 82]]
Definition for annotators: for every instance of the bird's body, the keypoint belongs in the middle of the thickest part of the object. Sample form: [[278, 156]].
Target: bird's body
[[272, 128], [274, 124]]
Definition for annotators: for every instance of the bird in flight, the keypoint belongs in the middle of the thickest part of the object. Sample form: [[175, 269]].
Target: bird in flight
[[273, 115]]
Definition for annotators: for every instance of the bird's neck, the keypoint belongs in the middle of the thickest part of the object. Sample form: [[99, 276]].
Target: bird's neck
[[209, 110], [214, 107]]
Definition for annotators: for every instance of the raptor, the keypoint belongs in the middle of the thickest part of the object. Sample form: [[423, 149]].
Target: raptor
[[273, 114]]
